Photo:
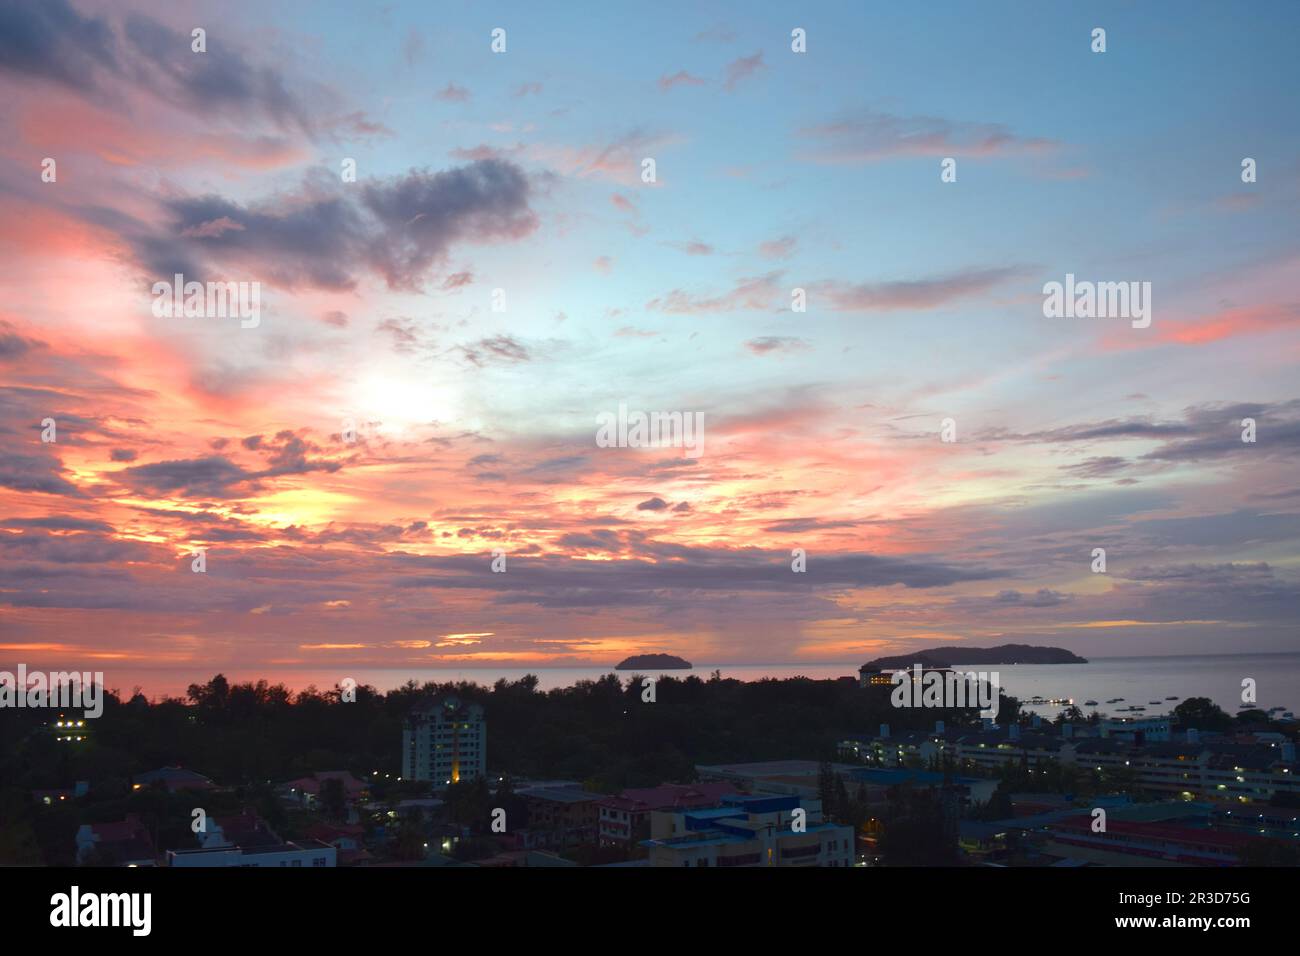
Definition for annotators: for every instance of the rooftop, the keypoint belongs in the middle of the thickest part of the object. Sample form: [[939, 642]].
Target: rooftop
[[562, 795]]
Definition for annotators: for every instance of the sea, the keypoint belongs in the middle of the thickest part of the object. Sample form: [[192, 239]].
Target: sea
[[1139, 680]]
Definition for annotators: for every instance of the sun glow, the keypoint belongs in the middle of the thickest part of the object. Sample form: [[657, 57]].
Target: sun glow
[[398, 402]]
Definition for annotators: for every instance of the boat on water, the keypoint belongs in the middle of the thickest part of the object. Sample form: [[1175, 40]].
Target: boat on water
[[1171, 698], [1156, 702], [1089, 703]]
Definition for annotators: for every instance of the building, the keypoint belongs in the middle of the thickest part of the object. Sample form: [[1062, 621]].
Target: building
[[444, 741], [174, 779], [248, 840], [749, 831], [345, 838], [122, 843], [773, 777], [561, 816], [524, 858], [625, 819], [1165, 833], [312, 853], [1246, 769], [877, 783], [247, 829], [1125, 843], [306, 791], [1137, 730], [875, 677]]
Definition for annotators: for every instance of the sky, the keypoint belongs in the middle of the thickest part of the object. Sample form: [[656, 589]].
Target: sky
[[438, 334]]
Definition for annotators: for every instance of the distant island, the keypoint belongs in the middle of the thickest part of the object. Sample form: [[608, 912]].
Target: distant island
[[1002, 654], [663, 662]]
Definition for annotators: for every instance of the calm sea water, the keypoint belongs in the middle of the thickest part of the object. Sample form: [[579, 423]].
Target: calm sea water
[[1137, 679]]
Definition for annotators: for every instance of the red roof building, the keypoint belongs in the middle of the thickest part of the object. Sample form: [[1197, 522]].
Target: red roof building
[[625, 818]]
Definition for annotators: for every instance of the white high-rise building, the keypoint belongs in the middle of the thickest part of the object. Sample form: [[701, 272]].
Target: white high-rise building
[[444, 741]]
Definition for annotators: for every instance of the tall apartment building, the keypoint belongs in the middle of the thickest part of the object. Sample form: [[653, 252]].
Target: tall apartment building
[[444, 741]]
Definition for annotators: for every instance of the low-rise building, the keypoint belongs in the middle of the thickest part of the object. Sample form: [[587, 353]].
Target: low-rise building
[[174, 779], [306, 791], [246, 829], [879, 781], [1138, 730], [775, 777], [1125, 843], [345, 838], [312, 853], [750, 831], [122, 843], [562, 816], [1245, 769], [248, 840], [625, 819]]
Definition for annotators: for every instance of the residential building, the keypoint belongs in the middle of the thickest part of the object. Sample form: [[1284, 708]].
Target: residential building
[[122, 843], [345, 838], [305, 853], [174, 779], [247, 829], [248, 840], [306, 791], [1137, 730], [561, 816], [625, 819], [445, 741], [1246, 768]]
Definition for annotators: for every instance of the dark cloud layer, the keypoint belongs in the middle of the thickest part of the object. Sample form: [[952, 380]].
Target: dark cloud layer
[[53, 41], [328, 237], [217, 476]]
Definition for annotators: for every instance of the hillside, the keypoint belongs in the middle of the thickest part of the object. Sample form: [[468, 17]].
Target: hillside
[[953, 656]]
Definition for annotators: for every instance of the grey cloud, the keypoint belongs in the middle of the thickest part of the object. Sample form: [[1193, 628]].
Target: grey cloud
[[924, 293], [497, 350], [871, 136], [422, 213], [220, 81], [37, 472], [325, 237], [52, 40]]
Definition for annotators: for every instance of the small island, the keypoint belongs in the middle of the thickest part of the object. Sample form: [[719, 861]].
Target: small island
[[1002, 654], [660, 662]]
